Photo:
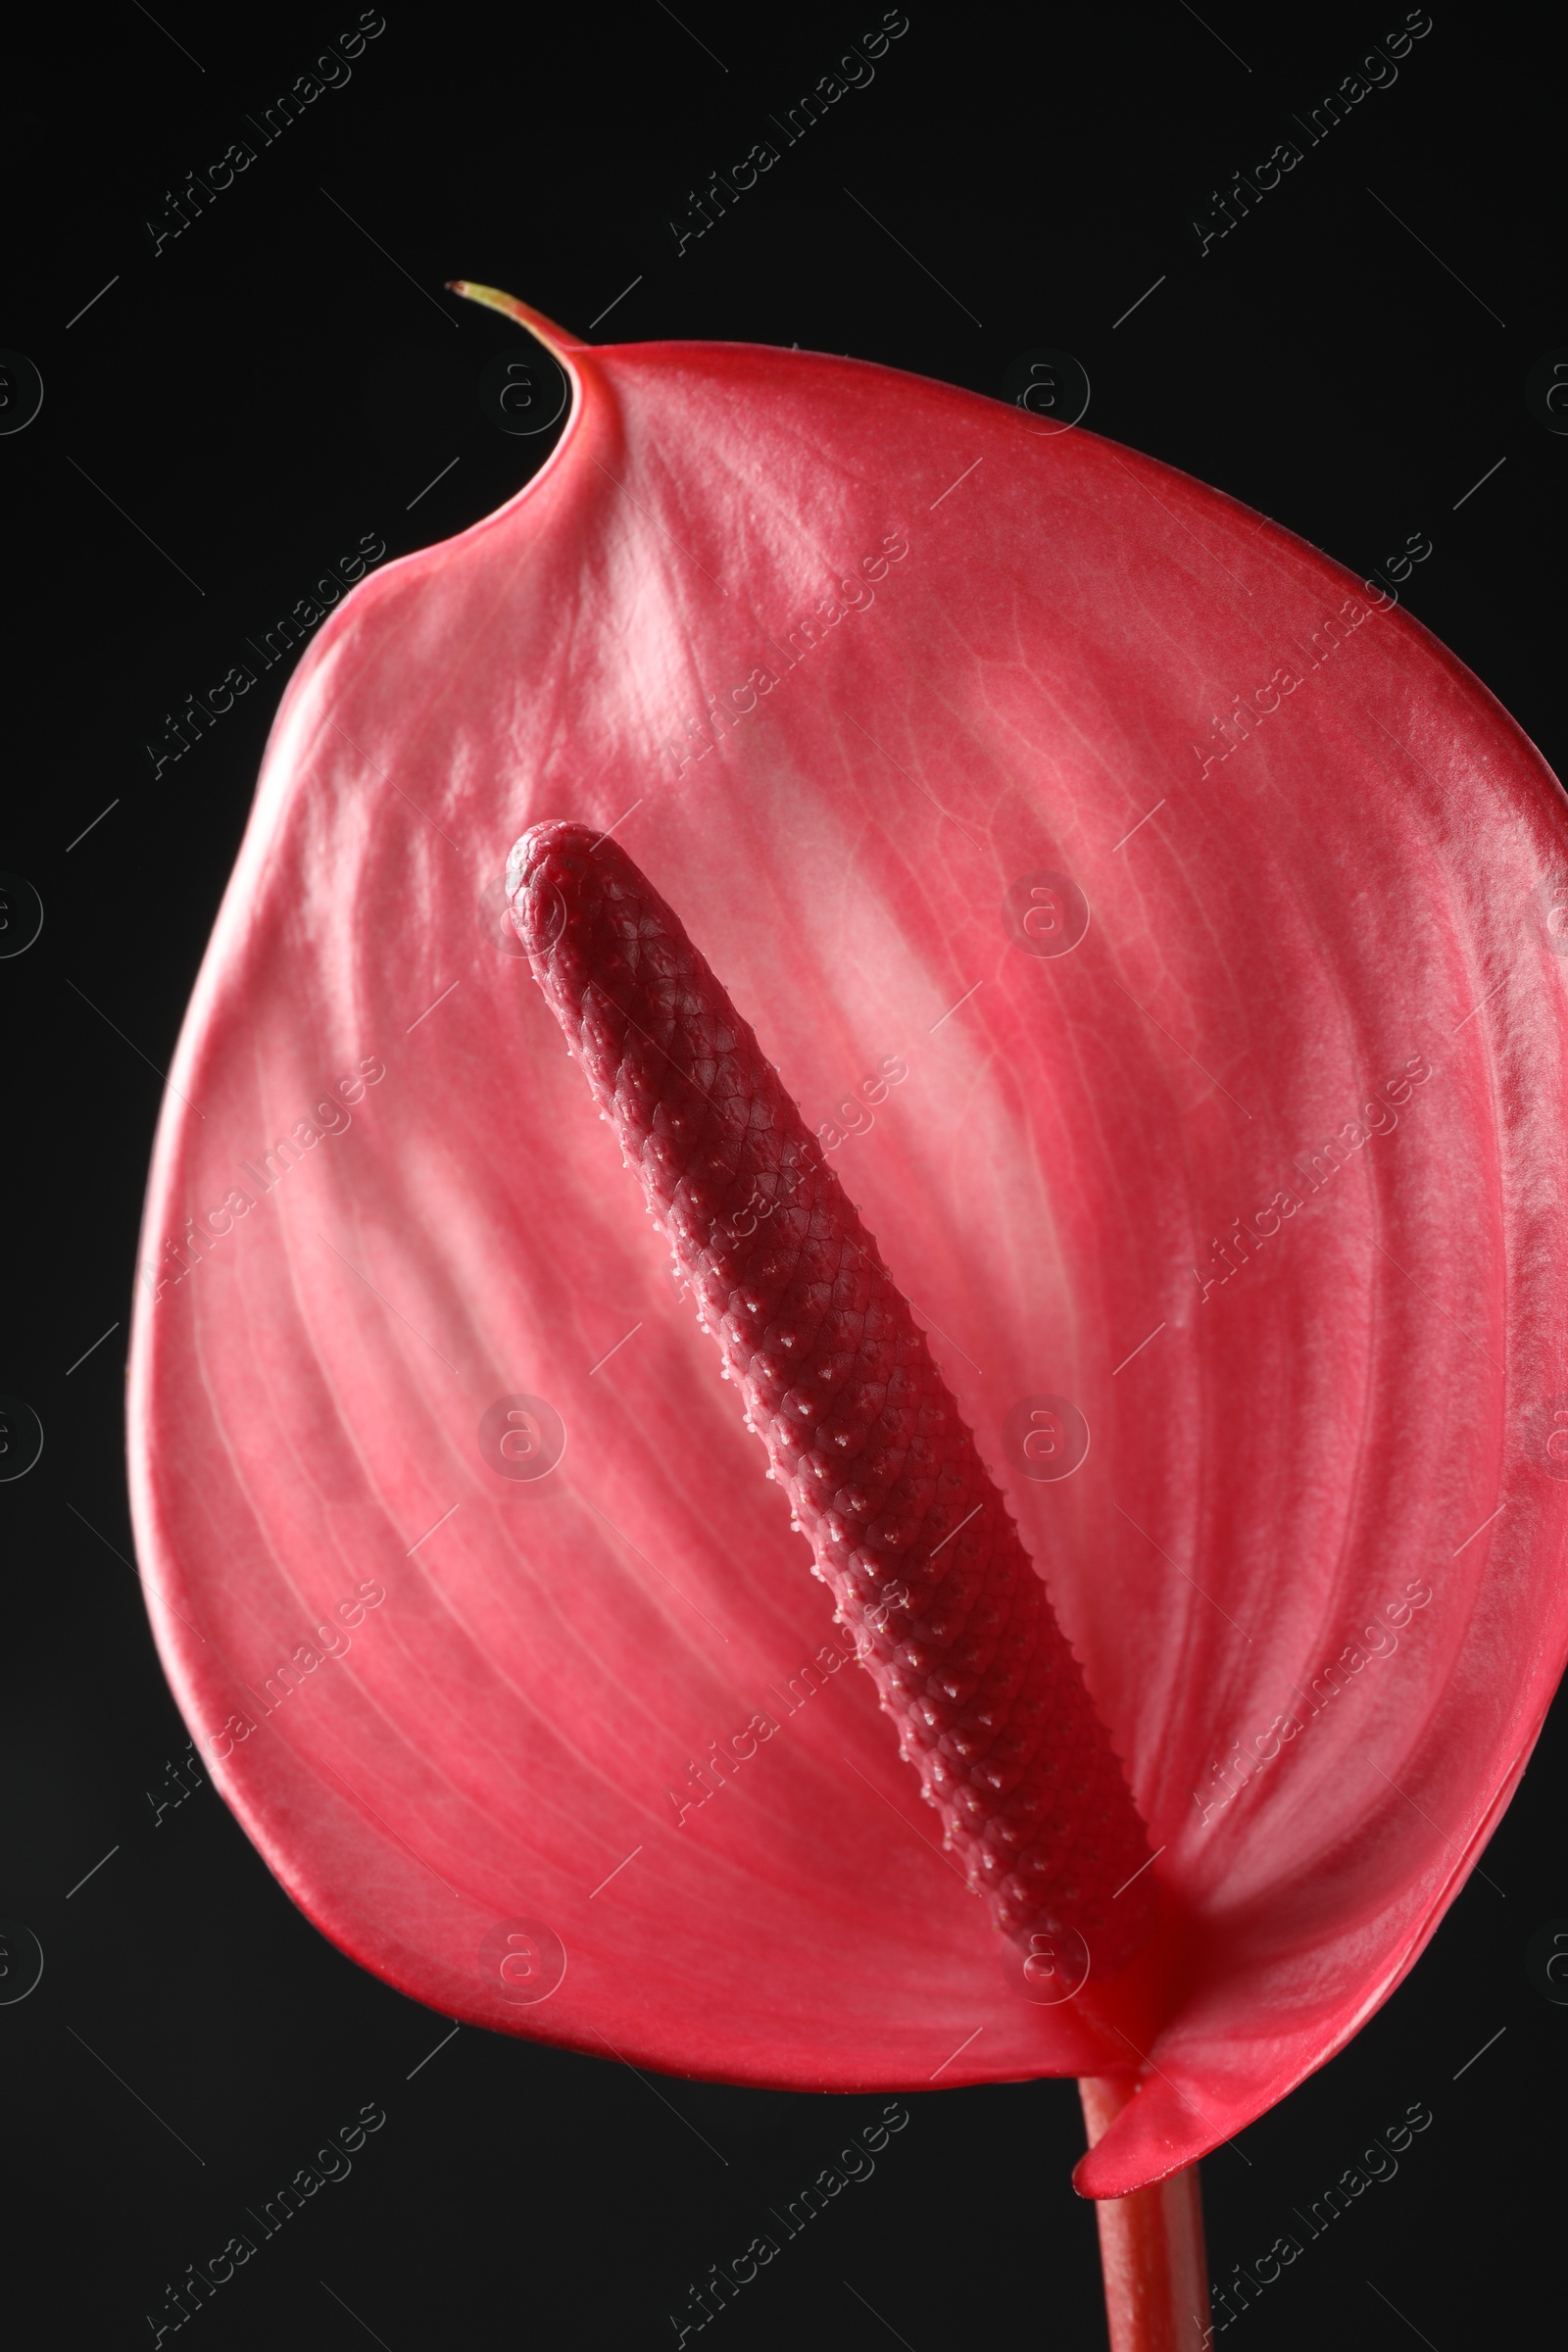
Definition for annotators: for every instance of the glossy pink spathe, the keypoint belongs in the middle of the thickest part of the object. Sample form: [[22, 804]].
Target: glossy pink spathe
[[953, 652]]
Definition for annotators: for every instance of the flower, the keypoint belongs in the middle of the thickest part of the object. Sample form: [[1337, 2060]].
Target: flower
[[1159, 931]]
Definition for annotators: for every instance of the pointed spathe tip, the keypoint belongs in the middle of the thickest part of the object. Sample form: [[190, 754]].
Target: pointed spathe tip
[[555, 339]]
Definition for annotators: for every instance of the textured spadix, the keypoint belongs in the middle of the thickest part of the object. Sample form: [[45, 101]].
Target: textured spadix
[[906, 1528], [1160, 931]]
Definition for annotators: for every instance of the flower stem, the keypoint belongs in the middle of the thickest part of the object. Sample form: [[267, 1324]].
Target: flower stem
[[1150, 2245]]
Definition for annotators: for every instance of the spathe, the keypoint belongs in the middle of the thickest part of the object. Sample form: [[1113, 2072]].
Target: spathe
[[1316, 864]]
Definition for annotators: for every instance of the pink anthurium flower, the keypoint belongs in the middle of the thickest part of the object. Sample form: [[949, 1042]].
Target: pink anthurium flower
[[1155, 936]]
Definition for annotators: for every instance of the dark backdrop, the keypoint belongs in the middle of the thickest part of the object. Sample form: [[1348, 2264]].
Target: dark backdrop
[[226, 413]]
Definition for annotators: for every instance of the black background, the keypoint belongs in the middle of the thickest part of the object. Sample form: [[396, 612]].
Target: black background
[[220, 424]]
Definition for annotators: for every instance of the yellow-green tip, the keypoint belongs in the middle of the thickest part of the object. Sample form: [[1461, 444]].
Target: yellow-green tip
[[555, 339]]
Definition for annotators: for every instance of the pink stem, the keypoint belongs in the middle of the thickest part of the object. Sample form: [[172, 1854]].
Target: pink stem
[[1150, 2245]]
